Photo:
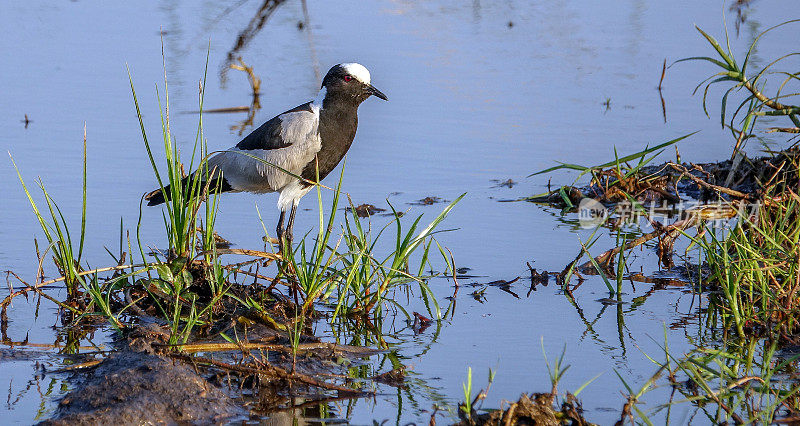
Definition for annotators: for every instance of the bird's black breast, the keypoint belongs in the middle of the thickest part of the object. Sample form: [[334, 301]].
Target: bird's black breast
[[268, 135], [337, 129]]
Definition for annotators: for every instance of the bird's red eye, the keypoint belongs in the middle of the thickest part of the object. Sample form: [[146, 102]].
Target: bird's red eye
[[347, 78]]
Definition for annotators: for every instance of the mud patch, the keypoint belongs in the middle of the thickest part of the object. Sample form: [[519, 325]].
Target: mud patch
[[128, 387]]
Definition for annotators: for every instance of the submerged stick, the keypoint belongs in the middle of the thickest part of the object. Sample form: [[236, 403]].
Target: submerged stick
[[12, 345], [81, 366], [701, 182], [248, 252], [36, 287], [235, 346], [268, 370], [670, 231], [784, 129]]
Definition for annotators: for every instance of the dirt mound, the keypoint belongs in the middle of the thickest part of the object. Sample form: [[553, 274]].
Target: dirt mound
[[136, 387]]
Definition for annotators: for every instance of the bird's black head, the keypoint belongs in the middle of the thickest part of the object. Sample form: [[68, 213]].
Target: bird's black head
[[350, 82]]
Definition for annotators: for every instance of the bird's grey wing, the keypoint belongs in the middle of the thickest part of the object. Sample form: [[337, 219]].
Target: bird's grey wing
[[268, 135], [285, 143]]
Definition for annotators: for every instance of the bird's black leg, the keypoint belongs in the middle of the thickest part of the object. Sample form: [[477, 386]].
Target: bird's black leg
[[290, 226], [289, 268], [283, 265], [280, 232]]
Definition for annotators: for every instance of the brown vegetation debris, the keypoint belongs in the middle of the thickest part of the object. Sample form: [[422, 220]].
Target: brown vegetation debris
[[535, 409], [365, 210], [395, 377]]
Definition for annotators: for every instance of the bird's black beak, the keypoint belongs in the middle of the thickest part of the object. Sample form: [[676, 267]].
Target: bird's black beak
[[373, 91]]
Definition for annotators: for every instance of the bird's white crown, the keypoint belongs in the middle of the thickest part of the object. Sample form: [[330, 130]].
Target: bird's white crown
[[358, 71]]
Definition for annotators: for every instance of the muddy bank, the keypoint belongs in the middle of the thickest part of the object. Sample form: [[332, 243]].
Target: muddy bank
[[146, 378], [135, 385]]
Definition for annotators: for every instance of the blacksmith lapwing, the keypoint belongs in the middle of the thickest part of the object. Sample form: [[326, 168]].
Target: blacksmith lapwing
[[315, 134]]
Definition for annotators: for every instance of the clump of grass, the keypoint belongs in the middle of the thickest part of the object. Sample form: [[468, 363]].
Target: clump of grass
[[348, 274], [183, 196], [744, 381], [755, 268], [756, 103], [66, 254], [373, 277], [613, 181], [749, 271], [466, 409], [466, 406], [756, 264], [189, 219]]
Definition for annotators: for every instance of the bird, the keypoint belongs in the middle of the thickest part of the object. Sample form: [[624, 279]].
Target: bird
[[304, 141]]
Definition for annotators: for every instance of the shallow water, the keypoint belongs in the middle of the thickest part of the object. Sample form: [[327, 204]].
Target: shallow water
[[478, 91]]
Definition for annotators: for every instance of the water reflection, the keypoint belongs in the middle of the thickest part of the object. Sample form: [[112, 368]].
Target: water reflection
[[262, 14]]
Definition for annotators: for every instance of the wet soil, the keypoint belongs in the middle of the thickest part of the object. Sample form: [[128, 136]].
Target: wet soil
[[144, 378], [132, 387]]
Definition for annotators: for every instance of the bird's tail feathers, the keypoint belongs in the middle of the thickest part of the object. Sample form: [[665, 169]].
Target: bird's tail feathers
[[158, 196]]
